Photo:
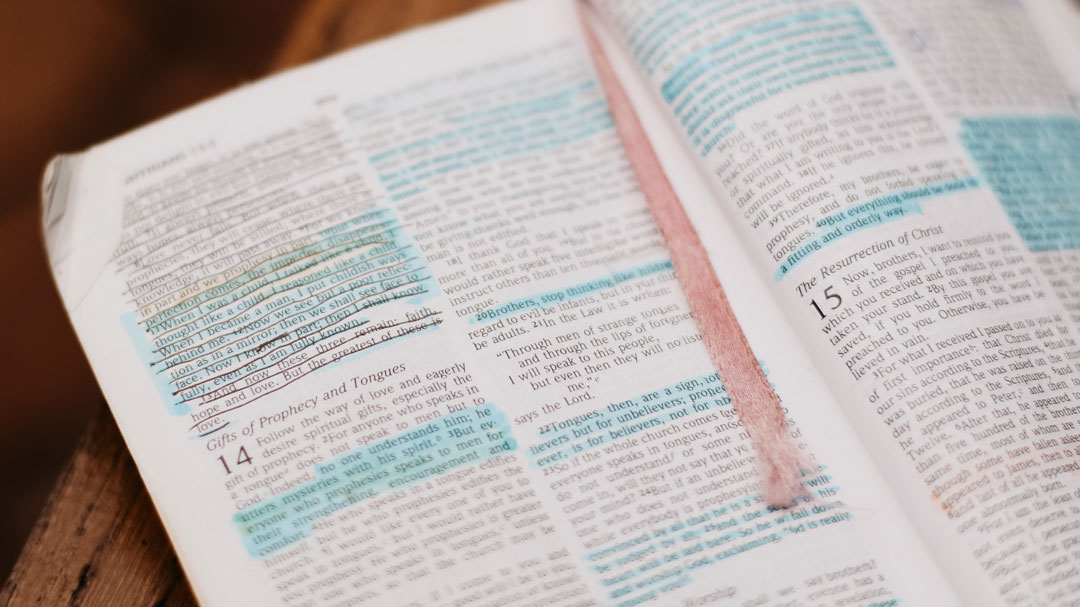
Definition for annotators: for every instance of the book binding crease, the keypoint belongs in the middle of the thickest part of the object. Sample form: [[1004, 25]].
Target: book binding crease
[[753, 398]]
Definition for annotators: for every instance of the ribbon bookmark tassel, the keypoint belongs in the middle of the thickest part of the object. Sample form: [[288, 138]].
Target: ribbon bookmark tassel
[[754, 400]]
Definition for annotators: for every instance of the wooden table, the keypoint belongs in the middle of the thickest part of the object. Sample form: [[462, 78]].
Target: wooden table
[[98, 540]]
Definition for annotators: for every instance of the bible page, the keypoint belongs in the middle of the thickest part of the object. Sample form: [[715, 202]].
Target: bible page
[[398, 328], [902, 175]]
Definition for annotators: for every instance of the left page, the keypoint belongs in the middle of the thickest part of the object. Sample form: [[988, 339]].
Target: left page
[[398, 328]]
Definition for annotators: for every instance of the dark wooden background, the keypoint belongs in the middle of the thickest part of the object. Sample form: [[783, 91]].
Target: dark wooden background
[[77, 73]]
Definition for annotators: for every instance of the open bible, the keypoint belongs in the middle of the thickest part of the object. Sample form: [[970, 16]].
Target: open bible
[[399, 327]]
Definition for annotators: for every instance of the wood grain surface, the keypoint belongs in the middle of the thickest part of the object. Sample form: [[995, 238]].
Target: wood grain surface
[[99, 541]]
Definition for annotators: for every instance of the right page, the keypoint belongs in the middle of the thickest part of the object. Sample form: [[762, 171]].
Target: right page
[[904, 174]]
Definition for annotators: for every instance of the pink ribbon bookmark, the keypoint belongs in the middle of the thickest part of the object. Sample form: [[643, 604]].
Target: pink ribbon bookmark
[[754, 400]]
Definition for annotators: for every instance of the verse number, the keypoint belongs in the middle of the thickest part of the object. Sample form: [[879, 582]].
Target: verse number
[[241, 458], [832, 300]]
